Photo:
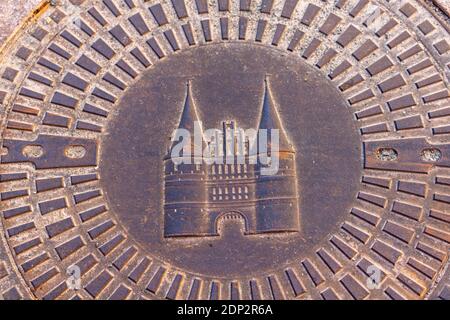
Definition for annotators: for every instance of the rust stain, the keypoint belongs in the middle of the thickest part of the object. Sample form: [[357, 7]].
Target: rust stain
[[30, 18]]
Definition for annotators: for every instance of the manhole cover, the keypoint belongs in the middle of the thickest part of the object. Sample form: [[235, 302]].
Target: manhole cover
[[252, 149]]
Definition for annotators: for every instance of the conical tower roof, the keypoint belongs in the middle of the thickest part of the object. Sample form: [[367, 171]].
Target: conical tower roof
[[189, 119], [189, 115], [270, 119]]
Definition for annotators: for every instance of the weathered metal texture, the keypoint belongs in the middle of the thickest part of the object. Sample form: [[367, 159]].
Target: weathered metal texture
[[91, 91], [443, 5], [12, 12]]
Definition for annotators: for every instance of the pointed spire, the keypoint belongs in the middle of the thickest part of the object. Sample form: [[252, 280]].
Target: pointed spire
[[188, 120], [270, 118], [189, 115]]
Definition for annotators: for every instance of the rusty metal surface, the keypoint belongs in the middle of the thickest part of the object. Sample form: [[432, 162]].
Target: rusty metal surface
[[12, 12], [91, 92], [443, 5]]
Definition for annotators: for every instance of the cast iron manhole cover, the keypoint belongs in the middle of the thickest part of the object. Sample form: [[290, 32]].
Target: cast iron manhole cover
[[95, 205]]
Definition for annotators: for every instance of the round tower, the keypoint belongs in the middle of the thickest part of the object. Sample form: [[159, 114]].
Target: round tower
[[276, 196], [185, 191]]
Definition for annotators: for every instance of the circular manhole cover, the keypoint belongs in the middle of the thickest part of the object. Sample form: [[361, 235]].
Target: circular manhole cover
[[252, 149]]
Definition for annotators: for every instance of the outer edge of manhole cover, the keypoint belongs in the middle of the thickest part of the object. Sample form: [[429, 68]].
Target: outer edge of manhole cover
[[443, 5], [66, 67]]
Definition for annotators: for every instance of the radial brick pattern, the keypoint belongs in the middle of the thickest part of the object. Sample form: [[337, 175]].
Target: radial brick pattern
[[66, 72]]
